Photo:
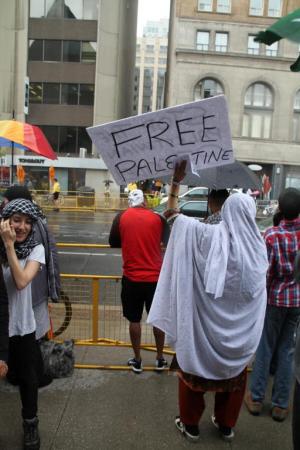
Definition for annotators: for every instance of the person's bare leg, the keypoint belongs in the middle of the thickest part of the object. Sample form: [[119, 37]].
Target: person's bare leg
[[159, 340], [135, 337]]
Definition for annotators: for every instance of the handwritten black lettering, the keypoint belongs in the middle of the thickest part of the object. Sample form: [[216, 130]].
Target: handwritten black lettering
[[226, 155], [170, 164], [216, 156], [157, 169], [148, 126], [141, 167], [126, 169], [204, 118], [197, 155], [180, 132], [117, 144]]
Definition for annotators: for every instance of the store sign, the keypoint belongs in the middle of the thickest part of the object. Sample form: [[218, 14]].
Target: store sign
[[148, 145], [31, 161]]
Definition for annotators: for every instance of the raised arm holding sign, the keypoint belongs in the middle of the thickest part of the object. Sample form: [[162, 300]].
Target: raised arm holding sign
[[148, 145]]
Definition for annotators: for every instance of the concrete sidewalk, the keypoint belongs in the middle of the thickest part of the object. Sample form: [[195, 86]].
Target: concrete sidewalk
[[111, 410]]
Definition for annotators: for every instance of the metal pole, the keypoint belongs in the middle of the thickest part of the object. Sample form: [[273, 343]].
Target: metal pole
[[12, 156]]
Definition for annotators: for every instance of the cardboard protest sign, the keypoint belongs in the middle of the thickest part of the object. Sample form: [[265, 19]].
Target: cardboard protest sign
[[147, 146]]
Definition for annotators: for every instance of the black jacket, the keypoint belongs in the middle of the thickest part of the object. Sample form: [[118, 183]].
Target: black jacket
[[3, 319]]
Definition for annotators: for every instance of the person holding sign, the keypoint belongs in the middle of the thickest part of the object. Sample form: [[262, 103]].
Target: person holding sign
[[210, 301], [140, 232]]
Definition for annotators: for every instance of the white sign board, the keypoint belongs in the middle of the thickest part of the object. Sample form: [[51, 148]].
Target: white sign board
[[147, 146]]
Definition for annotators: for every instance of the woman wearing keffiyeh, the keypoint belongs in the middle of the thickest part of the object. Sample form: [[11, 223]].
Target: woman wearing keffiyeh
[[21, 258]]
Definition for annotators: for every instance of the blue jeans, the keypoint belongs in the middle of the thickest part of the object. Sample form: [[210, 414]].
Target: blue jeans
[[278, 338]]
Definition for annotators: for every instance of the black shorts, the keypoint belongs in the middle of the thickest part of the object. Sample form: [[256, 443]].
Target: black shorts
[[134, 296], [55, 195]]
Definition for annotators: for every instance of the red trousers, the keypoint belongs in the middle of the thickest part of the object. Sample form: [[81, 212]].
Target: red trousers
[[192, 404]]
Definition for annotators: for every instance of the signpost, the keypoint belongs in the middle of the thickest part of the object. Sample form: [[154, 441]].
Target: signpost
[[148, 145]]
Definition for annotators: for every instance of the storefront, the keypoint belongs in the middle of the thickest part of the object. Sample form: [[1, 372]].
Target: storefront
[[72, 173]]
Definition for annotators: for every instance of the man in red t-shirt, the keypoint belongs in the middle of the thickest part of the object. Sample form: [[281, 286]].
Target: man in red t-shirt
[[139, 232]]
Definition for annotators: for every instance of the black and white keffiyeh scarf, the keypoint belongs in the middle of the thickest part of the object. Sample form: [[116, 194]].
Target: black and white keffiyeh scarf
[[22, 206]]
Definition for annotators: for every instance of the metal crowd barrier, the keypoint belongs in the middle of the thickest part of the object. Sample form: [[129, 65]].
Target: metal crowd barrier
[[84, 201]]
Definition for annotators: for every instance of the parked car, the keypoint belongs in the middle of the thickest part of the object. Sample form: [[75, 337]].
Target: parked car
[[194, 208], [196, 193]]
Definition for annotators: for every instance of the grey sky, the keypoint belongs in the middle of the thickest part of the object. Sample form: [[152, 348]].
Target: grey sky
[[151, 10]]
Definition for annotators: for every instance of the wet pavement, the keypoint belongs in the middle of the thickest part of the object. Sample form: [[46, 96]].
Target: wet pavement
[[112, 410]]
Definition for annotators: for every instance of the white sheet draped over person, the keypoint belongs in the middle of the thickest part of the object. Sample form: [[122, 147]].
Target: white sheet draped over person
[[211, 294]]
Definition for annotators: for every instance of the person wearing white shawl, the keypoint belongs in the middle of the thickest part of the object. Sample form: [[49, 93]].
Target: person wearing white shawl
[[210, 301]]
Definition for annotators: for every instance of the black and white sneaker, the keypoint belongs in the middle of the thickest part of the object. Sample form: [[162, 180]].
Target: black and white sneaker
[[227, 433], [191, 432], [135, 365], [161, 364]]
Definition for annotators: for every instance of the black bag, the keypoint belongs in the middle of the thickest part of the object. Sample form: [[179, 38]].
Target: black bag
[[58, 358]]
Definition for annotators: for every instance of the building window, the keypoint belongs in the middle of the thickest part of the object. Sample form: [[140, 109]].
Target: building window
[[69, 94], [163, 49], [86, 94], [51, 93], [149, 60], [224, 6], [36, 93], [258, 109], [162, 61], [67, 140], [63, 94], [296, 118], [150, 48], [71, 51], [52, 50], [205, 5], [256, 7], [221, 42], [208, 87], [88, 52], [68, 9], [202, 40], [253, 47], [272, 50], [35, 51], [274, 8]]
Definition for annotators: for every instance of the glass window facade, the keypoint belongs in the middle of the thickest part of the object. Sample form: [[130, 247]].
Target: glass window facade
[[272, 50], [274, 8], [256, 7], [208, 87], [64, 9], [221, 42], [64, 94], [205, 5], [36, 93], [67, 140], [202, 40], [52, 50], [253, 47], [258, 109], [57, 51], [86, 94], [88, 52], [71, 51], [51, 93], [69, 94], [36, 50], [224, 6]]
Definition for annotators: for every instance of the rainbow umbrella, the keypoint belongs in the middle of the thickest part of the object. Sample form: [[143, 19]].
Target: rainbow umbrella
[[19, 134]]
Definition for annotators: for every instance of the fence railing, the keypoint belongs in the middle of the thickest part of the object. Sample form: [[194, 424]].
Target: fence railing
[[89, 201]]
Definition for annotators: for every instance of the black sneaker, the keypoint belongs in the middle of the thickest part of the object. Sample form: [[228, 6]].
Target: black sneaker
[[191, 432], [135, 365], [227, 433], [161, 364]]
